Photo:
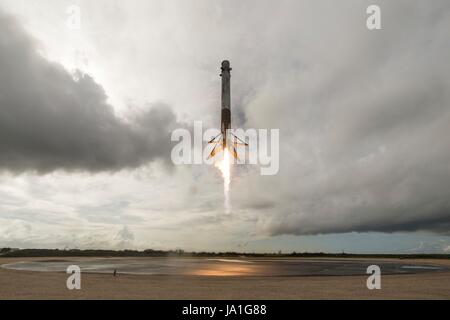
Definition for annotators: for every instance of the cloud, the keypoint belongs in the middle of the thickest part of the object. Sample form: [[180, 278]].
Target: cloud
[[124, 238], [437, 246], [51, 120], [363, 117]]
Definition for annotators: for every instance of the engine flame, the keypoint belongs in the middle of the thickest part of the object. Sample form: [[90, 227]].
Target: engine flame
[[224, 166]]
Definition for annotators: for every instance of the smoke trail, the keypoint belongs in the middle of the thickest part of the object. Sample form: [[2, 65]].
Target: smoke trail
[[225, 167]]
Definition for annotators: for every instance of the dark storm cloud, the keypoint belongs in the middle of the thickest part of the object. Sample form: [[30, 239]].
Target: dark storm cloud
[[50, 121], [364, 116], [363, 123]]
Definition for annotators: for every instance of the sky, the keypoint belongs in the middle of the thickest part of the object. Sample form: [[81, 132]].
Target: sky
[[86, 116]]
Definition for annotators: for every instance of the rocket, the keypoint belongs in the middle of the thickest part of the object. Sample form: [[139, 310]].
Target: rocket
[[227, 140], [226, 98]]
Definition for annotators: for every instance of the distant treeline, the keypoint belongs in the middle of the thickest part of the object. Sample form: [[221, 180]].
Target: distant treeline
[[10, 252]]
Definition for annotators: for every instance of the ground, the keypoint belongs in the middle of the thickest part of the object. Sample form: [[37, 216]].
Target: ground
[[52, 285]]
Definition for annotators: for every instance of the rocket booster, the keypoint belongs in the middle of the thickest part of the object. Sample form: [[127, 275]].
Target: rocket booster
[[226, 142], [226, 97]]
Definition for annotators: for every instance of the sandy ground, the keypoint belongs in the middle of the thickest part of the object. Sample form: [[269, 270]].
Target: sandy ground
[[49, 285]]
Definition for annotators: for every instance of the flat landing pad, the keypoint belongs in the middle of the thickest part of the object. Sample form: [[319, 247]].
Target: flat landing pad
[[270, 267]]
